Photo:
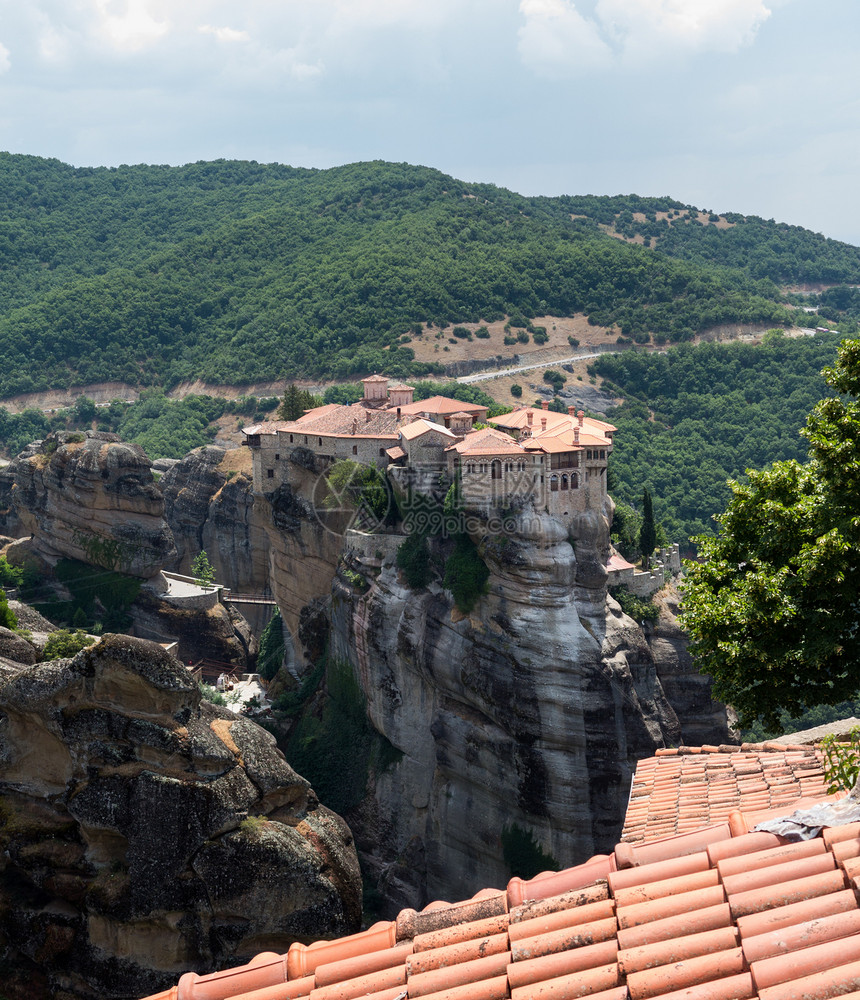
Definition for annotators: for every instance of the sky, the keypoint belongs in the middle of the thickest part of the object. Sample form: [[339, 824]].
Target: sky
[[748, 106]]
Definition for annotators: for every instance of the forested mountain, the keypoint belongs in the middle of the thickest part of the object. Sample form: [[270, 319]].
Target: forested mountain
[[234, 271], [696, 416]]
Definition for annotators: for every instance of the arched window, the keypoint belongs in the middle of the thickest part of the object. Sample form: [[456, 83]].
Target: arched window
[[553, 484], [574, 480], [496, 469], [564, 482]]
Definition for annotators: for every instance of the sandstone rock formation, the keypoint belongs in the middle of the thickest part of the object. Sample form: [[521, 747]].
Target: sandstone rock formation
[[219, 634], [528, 715], [91, 498], [146, 832], [273, 543], [16, 648], [209, 504]]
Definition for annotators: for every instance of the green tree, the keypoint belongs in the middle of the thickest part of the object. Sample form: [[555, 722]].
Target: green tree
[[295, 402], [772, 606], [202, 570], [84, 411], [648, 530], [7, 615], [272, 649], [63, 643]]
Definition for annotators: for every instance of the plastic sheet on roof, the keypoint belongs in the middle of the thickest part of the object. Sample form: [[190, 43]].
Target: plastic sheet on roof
[[804, 824]]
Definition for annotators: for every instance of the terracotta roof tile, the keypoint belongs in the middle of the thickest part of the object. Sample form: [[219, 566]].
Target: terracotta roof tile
[[443, 405], [342, 419], [717, 913], [487, 441], [421, 426], [678, 781]]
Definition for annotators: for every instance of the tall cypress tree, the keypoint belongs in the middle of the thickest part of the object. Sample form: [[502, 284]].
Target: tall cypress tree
[[648, 531]]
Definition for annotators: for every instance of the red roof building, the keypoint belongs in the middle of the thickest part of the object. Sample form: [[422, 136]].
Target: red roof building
[[718, 912]]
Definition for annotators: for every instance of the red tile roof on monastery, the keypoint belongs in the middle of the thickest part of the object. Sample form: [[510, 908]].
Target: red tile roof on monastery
[[340, 419], [679, 790], [487, 441], [443, 405], [422, 426], [718, 913], [519, 419]]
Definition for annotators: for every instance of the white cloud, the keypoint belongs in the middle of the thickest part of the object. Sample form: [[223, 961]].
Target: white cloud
[[128, 24], [653, 26], [224, 34], [557, 40], [5, 60]]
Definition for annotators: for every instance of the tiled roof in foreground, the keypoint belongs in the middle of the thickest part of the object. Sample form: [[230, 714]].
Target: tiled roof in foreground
[[681, 789], [720, 913]]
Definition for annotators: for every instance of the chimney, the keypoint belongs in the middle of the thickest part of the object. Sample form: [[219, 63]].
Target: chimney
[[576, 435], [367, 416], [543, 423], [530, 417], [571, 411], [544, 405], [354, 425], [581, 416]]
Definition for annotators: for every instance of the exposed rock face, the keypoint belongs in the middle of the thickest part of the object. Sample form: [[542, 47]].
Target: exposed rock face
[[687, 689], [16, 648], [124, 815], [218, 633], [207, 510], [530, 712], [93, 499]]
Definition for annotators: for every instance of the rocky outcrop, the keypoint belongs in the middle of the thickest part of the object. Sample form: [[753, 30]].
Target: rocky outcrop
[[209, 504], [687, 689], [91, 498], [146, 832], [524, 718], [218, 634], [16, 648]]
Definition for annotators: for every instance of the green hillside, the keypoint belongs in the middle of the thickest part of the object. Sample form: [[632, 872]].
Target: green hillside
[[235, 272], [696, 416]]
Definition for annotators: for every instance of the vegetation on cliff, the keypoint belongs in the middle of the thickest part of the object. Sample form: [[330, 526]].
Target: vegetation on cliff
[[333, 745], [771, 606], [696, 416], [233, 272], [163, 427]]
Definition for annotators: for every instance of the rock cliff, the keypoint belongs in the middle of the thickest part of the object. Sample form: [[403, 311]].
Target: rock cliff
[[525, 717], [209, 504], [92, 498], [273, 543], [145, 831]]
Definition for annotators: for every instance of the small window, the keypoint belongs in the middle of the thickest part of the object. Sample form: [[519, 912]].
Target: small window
[[270, 473], [382, 451], [355, 449], [319, 441], [291, 439], [277, 457]]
